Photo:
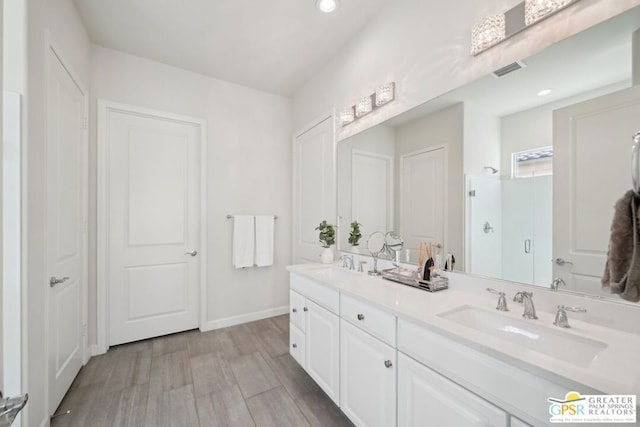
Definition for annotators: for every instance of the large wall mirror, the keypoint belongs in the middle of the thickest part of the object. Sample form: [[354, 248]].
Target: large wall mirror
[[516, 175]]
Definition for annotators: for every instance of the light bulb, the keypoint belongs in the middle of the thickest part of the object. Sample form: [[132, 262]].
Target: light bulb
[[327, 6]]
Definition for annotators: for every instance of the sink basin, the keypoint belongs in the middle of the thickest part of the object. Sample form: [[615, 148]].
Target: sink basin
[[553, 342]]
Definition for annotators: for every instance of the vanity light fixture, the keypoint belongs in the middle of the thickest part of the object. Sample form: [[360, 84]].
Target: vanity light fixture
[[535, 10], [383, 95], [347, 116], [364, 106], [326, 6], [494, 29], [487, 32]]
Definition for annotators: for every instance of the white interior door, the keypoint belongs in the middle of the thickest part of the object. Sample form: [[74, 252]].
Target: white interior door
[[153, 224], [371, 192], [595, 132], [422, 192], [65, 208], [314, 188]]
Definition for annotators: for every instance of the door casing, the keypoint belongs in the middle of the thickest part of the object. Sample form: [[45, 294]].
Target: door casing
[[104, 108]]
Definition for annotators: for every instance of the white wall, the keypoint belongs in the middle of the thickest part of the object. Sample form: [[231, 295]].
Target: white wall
[[424, 47], [444, 127], [481, 140], [15, 40], [249, 171], [63, 22]]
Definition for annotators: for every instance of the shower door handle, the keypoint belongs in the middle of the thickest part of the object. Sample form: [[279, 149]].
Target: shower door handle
[[527, 246]]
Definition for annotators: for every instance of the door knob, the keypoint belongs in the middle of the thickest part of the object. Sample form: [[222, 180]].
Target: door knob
[[388, 364], [561, 262], [53, 281], [360, 316], [192, 253]]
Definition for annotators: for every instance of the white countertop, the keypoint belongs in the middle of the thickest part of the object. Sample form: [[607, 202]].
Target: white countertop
[[615, 370]]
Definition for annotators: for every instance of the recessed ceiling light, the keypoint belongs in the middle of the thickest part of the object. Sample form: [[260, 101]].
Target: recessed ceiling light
[[327, 6], [545, 92]]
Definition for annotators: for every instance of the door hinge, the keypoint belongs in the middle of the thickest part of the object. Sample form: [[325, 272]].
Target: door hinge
[[84, 330], [472, 193], [85, 123]]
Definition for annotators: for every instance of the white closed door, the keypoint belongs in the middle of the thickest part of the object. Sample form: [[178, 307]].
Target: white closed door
[[371, 193], [367, 378], [153, 224], [314, 188], [323, 349], [426, 398], [422, 192], [591, 171], [65, 234]]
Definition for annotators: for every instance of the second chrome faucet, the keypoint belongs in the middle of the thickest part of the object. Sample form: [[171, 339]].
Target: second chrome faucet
[[527, 299]]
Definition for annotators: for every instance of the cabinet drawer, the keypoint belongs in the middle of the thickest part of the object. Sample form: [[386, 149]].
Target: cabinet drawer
[[371, 319], [297, 305], [317, 292], [297, 344]]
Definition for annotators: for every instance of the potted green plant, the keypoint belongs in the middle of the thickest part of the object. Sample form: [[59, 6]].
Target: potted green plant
[[355, 235], [327, 237]]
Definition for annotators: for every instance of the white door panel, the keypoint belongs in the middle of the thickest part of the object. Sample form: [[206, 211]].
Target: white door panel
[[314, 195], [322, 343], [371, 185], [66, 160], [154, 214], [597, 131], [422, 191]]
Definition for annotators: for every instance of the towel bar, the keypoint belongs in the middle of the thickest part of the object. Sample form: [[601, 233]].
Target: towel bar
[[229, 216]]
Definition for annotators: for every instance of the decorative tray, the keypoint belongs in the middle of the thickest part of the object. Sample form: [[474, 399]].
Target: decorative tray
[[409, 278]]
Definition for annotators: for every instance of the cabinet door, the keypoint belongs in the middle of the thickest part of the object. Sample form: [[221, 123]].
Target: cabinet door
[[427, 398], [367, 378], [323, 351], [297, 346], [297, 307]]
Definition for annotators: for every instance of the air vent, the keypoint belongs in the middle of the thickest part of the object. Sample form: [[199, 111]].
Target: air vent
[[509, 69]]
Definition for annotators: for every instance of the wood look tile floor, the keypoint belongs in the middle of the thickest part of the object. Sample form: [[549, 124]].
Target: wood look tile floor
[[237, 376]]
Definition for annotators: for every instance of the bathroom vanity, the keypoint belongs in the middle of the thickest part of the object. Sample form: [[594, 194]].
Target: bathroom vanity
[[388, 354]]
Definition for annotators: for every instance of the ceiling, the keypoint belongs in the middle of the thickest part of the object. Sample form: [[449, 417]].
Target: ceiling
[[273, 45]]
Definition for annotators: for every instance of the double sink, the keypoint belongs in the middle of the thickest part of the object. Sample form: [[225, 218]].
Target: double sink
[[548, 340]]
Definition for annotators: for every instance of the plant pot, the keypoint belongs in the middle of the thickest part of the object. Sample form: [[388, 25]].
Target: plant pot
[[327, 256], [355, 249]]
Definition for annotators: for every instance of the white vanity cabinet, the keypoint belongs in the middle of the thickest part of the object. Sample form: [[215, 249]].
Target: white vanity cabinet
[[314, 333], [427, 398], [367, 378]]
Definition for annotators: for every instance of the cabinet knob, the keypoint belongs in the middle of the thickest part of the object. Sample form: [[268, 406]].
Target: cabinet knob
[[388, 363], [306, 309], [295, 345], [295, 310], [360, 316]]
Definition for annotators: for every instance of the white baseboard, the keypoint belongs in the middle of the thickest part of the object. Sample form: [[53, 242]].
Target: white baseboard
[[94, 350], [244, 318]]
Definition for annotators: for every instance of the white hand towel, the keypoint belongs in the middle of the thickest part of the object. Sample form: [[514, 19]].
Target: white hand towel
[[264, 240], [243, 241]]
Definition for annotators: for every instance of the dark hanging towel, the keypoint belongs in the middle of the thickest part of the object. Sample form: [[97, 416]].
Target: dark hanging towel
[[622, 270]]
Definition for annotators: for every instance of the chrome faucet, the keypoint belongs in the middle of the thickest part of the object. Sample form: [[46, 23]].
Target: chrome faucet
[[347, 262], [561, 316], [361, 265], [502, 301], [526, 298], [556, 283]]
